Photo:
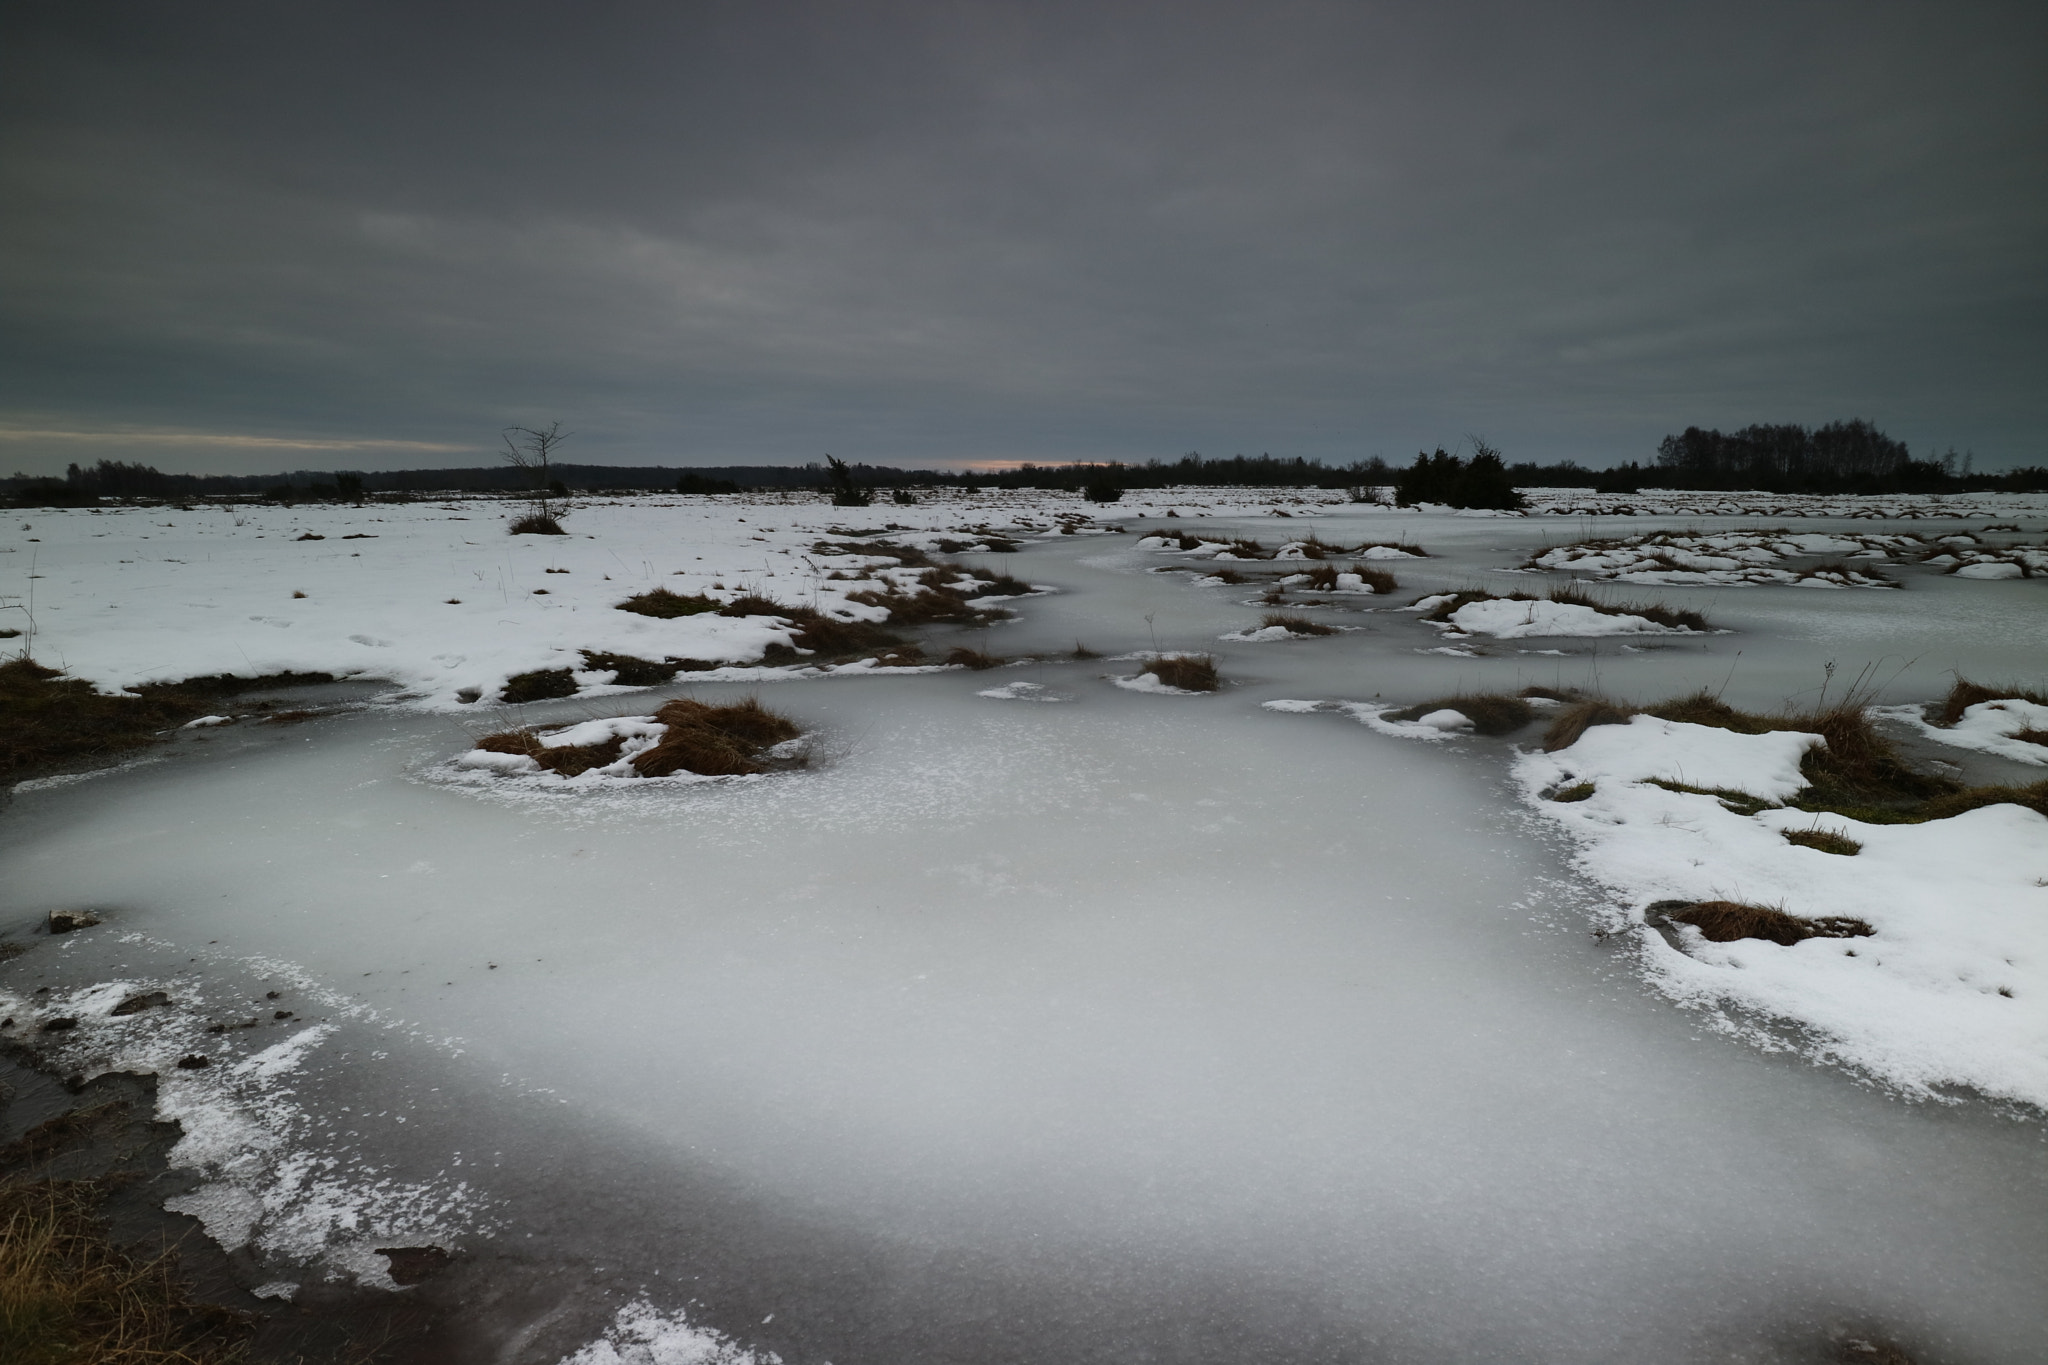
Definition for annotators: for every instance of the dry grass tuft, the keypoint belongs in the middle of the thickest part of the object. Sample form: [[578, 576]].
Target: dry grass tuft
[[1379, 580], [1966, 694], [566, 759], [1188, 672], [1570, 724], [69, 1296], [1824, 840], [666, 605], [1578, 791], [974, 659], [1491, 713], [1727, 921], [535, 524], [630, 670], [1226, 575], [1322, 578], [715, 741], [540, 684], [1293, 624]]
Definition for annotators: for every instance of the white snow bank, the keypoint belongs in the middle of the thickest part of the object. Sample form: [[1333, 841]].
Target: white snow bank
[[1991, 727], [1508, 619], [438, 599], [1952, 989], [1765, 765]]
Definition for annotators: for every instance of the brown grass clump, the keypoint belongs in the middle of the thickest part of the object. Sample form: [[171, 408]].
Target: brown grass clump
[[1402, 546], [1379, 580], [753, 604], [1294, 625], [1824, 840], [566, 759], [716, 741], [1226, 575], [974, 659], [1549, 694], [1188, 672], [2034, 797], [908, 556], [1491, 713], [1727, 921], [666, 605], [1966, 694], [536, 524], [69, 1296], [1578, 791], [540, 684], [933, 601], [1570, 724], [1322, 578], [630, 670]]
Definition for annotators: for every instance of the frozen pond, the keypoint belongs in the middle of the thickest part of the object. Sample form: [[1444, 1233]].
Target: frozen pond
[[1124, 1027]]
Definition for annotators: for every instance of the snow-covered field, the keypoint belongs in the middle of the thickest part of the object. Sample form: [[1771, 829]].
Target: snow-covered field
[[1146, 1025]]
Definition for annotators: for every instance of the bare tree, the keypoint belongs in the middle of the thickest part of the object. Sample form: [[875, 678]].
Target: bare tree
[[533, 449]]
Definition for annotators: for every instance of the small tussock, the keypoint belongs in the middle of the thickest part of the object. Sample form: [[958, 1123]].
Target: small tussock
[[541, 684], [1188, 672], [1226, 575], [1966, 694], [1727, 921], [630, 670], [974, 659], [1294, 625], [1491, 713], [68, 1294], [534, 524], [1549, 694], [1856, 773], [1740, 802], [1322, 578], [1824, 840], [665, 605], [933, 602], [1379, 580], [1082, 651], [1403, 546], [906, 556], [1570, 724], [716, 741], [565, 759], [1578, 791]]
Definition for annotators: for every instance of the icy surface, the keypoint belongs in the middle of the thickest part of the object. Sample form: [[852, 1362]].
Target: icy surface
[[1127, 1028]]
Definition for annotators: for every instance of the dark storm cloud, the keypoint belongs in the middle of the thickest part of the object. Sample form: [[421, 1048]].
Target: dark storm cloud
[[736, 232]]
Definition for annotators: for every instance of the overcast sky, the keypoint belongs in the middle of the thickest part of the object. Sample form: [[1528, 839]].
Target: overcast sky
[[255, 237]]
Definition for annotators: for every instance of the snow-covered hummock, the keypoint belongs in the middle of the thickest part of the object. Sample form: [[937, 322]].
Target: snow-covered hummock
[[1509, 619], [1992, 727], [1703, 503], [1952, 989], [1437, 725], [1730, 558]]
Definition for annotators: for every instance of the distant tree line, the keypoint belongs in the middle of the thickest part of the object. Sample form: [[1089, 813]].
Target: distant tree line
[[1840, 457]]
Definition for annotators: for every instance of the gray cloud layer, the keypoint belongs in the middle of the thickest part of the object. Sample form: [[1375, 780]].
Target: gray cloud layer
[[704, 233]]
